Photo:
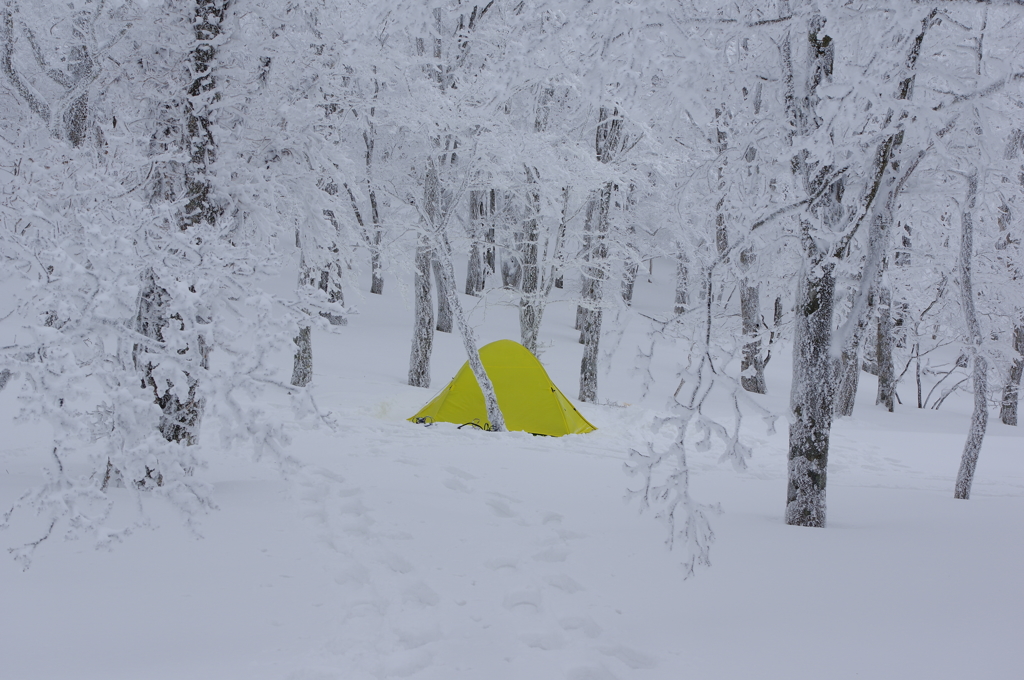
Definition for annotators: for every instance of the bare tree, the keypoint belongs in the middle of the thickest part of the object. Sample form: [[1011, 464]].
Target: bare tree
[[608, 143], [979, 373]]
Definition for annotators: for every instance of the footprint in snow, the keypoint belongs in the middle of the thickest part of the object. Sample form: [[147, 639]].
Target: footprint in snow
[[631, 657], [462, 474], [565, 583], [404, 664], [419, 594], [414, 638], [545, 641], [590, 673], [584, 624], [551, 518], [501, 508], [456, 484], [502, 563], [555, 553], [396, 562], [523, 599]]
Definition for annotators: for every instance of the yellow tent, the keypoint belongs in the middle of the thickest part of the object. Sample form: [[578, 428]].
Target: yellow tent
[[528, 399]]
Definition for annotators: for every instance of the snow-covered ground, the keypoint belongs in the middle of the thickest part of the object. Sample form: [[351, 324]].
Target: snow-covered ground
[[396, 550]]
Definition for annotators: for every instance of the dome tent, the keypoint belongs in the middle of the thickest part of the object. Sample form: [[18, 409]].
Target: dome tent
[[528, 399]]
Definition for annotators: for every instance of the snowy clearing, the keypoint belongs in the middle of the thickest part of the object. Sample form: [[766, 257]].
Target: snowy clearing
[[395, 550]]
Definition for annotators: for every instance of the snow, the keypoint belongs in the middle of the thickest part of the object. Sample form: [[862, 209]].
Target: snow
[[393, 550]]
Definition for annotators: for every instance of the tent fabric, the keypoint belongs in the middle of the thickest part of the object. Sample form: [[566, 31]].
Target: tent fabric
[[528, 399]]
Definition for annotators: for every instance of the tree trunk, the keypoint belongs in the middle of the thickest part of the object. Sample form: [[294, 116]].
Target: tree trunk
[[586, 283], [76, 116], [490, 250], [529, 307], [376, 269], [511, 269], [1011, 391], [682, 298], [848, 377], [629, 275], [179, 421], [847, 380], [979, 417], [423, 325], [631, 262], [590, 335], [811, 397], [752, 364], [444, 309], [330, 282], [883, 349], [447, 275], [302, 367], [475, 271]]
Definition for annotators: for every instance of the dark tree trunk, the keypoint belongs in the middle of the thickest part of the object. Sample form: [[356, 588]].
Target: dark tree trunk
[[210, 18], [682, 298], [586, 283], [979, 417], [76, 116], [179, 419], [847, 380], [490, 250], [377, 235], [444, 308], [883, 350], [423, 325], [302, 367], [423, 329], [529, 307], [590, 335], [476, 269], [848, 377], [629, 275], [811, 398], [1011, 391], [752, 364], [376, 268]]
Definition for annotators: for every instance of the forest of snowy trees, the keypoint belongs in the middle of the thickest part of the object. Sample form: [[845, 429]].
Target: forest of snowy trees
[[844, 177]]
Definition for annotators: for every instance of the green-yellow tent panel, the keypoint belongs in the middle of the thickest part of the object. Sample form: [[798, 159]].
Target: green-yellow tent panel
[[528, 399]]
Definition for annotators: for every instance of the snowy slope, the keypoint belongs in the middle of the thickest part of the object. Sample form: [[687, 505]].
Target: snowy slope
[[393, 550]]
